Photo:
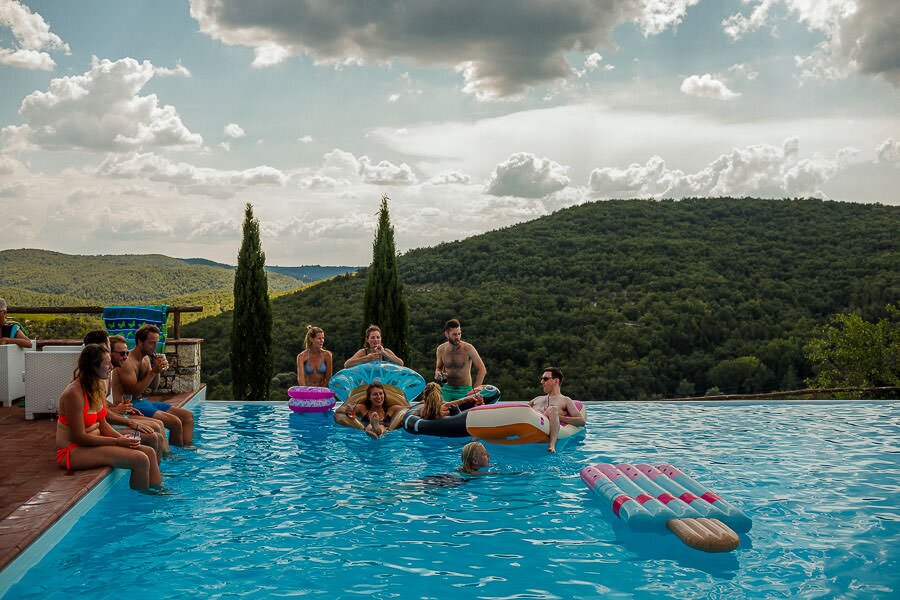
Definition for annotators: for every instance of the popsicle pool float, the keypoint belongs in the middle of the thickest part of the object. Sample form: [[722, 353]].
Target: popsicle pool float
[[650, 498]]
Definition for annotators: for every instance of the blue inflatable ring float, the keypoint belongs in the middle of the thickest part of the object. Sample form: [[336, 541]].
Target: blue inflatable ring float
[[405, 381]]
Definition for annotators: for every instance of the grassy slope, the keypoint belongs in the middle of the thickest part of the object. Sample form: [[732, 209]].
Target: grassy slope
[[115, 279]]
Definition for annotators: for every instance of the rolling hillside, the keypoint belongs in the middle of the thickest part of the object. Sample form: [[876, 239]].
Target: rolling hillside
[[107, 279], [632, 299], [33, 277]]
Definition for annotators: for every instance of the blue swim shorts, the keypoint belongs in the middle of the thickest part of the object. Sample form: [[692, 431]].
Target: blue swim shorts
[[148, 408]]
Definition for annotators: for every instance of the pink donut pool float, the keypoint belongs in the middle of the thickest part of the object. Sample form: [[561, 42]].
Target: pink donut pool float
[[308, 398]]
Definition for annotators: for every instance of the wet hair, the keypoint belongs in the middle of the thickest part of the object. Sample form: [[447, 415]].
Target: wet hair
[[86, 374], [369, 331], [144, 332], [311, 333], [555, 373], [95, 337], [469, 453], [432, 401], [368, 400], [451, 324]]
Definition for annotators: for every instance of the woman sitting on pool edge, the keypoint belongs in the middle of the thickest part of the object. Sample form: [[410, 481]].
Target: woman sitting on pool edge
[[314, 364], [372, 350], [84, 440], [373, 412], [434, 407]]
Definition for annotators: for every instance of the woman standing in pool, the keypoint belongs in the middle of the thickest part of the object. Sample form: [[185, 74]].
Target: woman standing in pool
[[370, 410], [373, 350], [84, 440], [314, 365]]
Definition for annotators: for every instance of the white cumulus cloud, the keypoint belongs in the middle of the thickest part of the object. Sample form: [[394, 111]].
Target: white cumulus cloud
[[761, 169], [385, 172], [32, 36], [706, 86], [659, 15], [744, 71], [451, 177], [527, 176], [189, 178], [341, 165], [179, 70], [593, 61], [860, 35], [234, 131], [102, 111], [888, 152]]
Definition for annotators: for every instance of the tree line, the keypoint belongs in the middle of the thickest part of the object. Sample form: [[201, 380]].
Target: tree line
[[633, 299]]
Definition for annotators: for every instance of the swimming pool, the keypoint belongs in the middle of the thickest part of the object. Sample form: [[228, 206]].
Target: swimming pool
[[275, 504]]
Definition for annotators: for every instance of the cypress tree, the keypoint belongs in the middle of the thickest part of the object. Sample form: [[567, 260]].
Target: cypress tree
[[385, 303], [251, 327]]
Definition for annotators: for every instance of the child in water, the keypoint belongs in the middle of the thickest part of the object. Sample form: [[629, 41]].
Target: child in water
[[474, 457]]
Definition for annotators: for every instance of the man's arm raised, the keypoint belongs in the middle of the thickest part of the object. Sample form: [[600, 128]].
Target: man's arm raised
[[128, 377]]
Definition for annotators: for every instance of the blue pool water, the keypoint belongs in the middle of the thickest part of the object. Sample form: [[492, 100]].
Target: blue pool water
[[275, 505]]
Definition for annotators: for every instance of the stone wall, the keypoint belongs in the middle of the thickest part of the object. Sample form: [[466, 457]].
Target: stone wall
[[183, 374]]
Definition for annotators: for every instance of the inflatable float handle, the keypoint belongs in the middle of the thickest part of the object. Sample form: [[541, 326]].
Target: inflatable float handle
[[709, 535]]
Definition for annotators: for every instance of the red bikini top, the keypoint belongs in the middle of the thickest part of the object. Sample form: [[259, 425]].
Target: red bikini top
[[89, 417]]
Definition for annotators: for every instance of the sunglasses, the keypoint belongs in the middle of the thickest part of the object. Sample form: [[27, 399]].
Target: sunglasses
[[546, 378], [121, 352]]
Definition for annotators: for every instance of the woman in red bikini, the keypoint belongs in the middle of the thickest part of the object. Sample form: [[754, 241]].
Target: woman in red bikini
[[84, 440]]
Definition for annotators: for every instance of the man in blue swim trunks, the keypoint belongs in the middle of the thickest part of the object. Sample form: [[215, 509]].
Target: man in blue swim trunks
[[141, 370], [455, 359]]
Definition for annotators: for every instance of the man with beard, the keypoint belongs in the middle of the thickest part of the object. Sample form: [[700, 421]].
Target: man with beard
[[124, 415], [141, 369], [455, 359]]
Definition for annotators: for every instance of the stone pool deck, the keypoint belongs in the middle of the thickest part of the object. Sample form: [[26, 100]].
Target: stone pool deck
[[34, 491]]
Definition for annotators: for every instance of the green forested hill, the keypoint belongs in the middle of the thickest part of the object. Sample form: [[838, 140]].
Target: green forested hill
[[632, 299], [114, 278]]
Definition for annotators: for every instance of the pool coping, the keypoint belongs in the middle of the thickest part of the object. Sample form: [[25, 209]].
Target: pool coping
[[31, 530]]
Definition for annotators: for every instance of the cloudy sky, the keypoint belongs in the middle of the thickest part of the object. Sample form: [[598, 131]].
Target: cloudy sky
[[145, 126]]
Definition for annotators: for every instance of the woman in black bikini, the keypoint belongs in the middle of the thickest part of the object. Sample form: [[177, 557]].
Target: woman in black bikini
[[314, 366]]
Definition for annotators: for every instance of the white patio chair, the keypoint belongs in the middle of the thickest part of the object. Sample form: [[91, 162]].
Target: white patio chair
[[12, 373], [46, 375]]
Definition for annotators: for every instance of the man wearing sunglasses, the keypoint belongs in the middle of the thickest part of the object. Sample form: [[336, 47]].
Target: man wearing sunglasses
[[557, 408], [124, 415]]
